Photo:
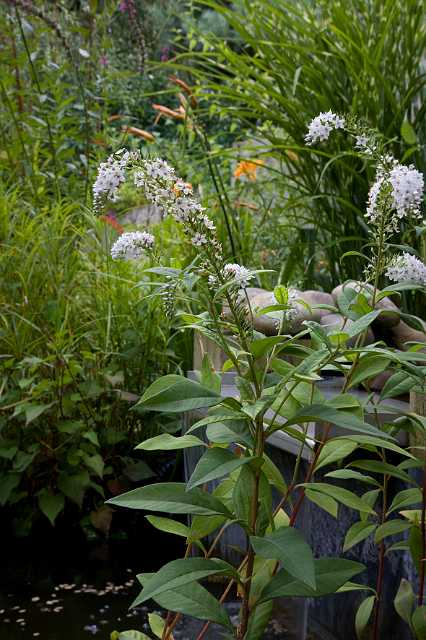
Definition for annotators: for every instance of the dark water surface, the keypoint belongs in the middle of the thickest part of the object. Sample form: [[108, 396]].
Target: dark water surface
[[57, 586]]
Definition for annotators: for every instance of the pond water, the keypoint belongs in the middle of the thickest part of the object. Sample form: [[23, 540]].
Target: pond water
[[59, 587]]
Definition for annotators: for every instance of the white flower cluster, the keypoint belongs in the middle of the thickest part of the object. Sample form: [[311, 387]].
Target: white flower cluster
[[366, 144], [407, 190], [405, 187], [162, 187], [322, 125], [111, 175], [237, 274], [132, 245], [407, 267]]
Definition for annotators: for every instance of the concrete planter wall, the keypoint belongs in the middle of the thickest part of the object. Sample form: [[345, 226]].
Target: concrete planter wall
[[331, 617]]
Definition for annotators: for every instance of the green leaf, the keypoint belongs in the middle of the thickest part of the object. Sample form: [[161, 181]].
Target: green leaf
[[95, 463], [173, 393], [358, 532], [340, 494], [363, 616], [408, 134], [8, 452], [405, 498], [273, 474], [169, 526], [330, 575], [167, 442], [323, 501], [51, 504], [132, 634], [419, 623], [416, 546], [390, 528], [8, 483], [384, 468], [258, 621], [288, 546], [171, 497], [74, 486], [405, 601], [378, 442], [180, 572], [326, 413], [156, 624], [348, 474], [362, 324], [209, 378], [33, 411], [92, 436], [214, 464], [334, 450], [191, 599], [368, 367], [398, 384]]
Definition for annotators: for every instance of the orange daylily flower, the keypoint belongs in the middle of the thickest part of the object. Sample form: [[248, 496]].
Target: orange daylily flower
[[108, 219], [178, 115], [248, 168], [140, 133]]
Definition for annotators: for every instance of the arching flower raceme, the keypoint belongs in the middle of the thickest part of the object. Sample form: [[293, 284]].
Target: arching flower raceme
[[320, 127], [111, 175], [407, 267], [405, 188], [238, 274], [132, 245]]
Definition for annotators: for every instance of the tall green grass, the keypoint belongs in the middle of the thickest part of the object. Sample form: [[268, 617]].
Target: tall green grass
[[283, 63]]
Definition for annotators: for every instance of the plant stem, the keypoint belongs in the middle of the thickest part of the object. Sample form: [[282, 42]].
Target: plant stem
[[245, 607], [381, 570], [423, 533]]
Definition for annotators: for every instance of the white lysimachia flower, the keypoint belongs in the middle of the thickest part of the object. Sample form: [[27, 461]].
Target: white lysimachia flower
[[405, 186], [407, 267], [322, 125], [407, 189], [111, 175], [240, 275], [132, 245]]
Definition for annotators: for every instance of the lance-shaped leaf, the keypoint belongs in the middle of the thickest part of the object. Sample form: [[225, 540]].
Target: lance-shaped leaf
[[192, 600], [363, 616], [172, 497], [214, 464], [288, 546], [167, 442], [418, 621], [390, 528], [405, 498], [326, 413], [330, 575], [258, 621], [346, 497], [368, 367], [334, 450], [174, 393], [358, 532], [405, 601], [181, 572]]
